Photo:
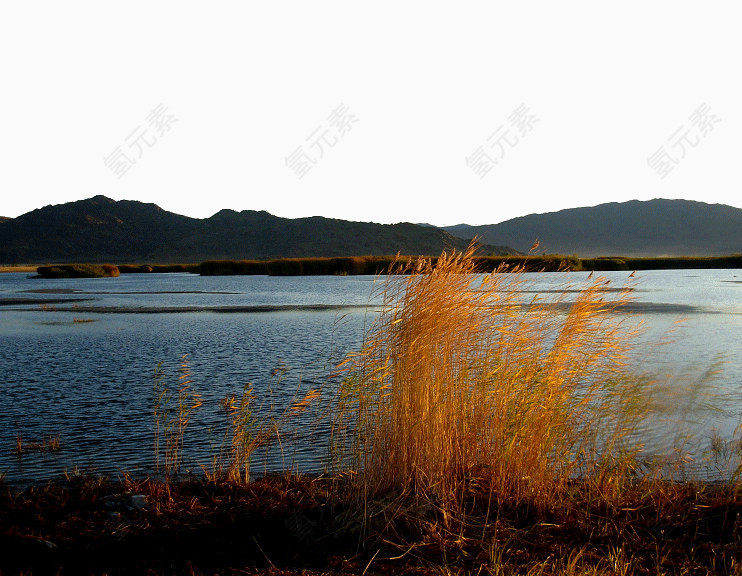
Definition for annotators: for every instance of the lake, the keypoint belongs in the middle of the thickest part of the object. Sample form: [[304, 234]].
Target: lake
[[77, 359]]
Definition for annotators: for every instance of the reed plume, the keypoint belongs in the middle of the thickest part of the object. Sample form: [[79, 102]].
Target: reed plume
[[465, 377]]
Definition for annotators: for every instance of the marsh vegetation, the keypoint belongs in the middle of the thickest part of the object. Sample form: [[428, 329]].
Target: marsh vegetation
[[78, 271], [480, 428]]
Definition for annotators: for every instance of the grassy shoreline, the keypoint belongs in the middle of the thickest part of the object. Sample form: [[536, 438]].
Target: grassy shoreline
[[372, 265], [25, 268], [380, 265]]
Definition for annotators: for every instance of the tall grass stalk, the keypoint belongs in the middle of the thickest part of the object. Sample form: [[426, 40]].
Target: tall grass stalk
[[256, 423], [461, 379], [172, 413], [246, 435]]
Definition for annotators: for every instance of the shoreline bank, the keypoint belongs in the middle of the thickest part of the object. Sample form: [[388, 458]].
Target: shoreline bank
[[286, 524]]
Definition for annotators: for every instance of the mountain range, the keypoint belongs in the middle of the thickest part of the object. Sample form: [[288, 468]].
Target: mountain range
[[103, 230], [636, 228]]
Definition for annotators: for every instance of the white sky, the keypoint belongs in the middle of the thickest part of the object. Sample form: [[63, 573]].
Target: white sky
[[427, 83]]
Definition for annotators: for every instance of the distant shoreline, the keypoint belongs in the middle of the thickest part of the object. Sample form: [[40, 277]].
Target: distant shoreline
[[484, 264], [370, 265], [20, 268]]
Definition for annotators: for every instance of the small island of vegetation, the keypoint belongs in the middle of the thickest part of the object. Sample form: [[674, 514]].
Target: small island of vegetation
[[78, 271]]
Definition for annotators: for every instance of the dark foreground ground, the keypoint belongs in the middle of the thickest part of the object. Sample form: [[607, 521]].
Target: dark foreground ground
[[297, 525]]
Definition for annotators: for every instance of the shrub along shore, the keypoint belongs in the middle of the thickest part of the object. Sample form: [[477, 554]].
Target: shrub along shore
[[381, 264], [373, 265], [78, 271], [88, 270]]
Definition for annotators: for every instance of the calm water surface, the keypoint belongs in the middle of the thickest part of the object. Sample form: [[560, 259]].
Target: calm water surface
[[91, 382]]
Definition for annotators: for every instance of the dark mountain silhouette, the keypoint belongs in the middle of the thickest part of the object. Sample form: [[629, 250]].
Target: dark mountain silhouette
[[102, 230], [636, 228]]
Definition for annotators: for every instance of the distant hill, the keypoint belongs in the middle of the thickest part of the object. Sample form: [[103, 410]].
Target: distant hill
[[636, 228], [103, 230]]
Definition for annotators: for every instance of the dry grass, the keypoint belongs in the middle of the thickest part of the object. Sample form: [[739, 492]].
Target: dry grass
[[247, 435], [173, 410], [19, 268], [461, 381], [258, 424], [47, 445]]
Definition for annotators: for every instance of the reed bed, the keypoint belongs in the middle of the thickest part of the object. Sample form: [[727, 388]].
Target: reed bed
[[83, 270], [460, 382], [373, 265]]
